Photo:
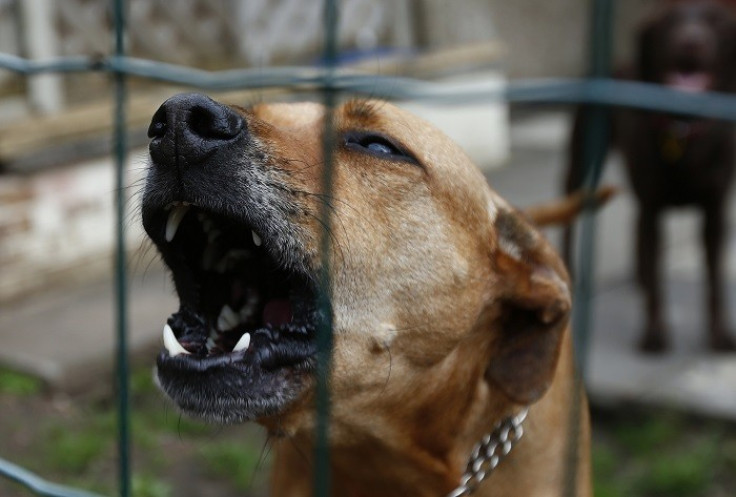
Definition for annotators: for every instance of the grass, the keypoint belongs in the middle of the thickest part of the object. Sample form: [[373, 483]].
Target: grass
[[229, 460], [150, 486], [637, 452], [73, 441], [73, 452], [653, 453], [14, 383]]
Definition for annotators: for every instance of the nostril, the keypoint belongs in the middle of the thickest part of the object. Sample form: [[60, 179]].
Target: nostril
[[213, 120], [188, 128], [157, 128]]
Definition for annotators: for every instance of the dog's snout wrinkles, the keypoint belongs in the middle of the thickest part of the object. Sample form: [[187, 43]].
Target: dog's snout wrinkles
[[188, 128]]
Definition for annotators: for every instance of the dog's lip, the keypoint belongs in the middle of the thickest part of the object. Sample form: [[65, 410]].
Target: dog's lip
[[259, 355], [249, 384], [201, 364], [178, 209]]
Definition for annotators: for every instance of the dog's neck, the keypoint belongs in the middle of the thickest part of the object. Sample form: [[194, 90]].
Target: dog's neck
[[489, 451]]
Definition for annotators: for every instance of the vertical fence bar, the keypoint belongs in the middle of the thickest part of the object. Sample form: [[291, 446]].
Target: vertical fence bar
[[119, 140], [322, 471], [595, 136]]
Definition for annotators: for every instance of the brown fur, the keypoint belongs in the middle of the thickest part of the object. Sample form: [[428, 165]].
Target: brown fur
[[451, 312]]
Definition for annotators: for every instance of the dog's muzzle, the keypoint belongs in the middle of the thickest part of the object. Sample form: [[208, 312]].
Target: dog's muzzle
[[241, 344]]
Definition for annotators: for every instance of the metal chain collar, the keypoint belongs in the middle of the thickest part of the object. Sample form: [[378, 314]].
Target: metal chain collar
[[489, 452]]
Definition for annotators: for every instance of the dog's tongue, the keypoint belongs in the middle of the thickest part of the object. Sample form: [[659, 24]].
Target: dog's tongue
[[693, 82], [277, 312]]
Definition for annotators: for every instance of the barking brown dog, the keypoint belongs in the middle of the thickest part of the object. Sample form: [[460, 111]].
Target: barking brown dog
[[450, 311]]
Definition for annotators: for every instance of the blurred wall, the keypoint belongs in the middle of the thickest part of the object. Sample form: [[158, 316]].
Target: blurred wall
[[544, 38]]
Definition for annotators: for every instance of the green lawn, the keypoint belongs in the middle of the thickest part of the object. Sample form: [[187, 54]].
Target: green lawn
[[637, 452]]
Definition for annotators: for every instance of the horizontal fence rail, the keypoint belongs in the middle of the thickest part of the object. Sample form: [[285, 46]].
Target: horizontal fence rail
[[37, 484], [603, 91]]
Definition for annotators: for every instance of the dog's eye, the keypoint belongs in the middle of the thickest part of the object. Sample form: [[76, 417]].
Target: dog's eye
[[377, 145], [381, 147]]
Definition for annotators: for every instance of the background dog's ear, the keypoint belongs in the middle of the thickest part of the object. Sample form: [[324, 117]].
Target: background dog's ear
[[531, 311], [646, 48]]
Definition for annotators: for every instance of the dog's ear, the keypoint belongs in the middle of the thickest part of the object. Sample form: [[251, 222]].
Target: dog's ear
[[727, 50], [530, 311]]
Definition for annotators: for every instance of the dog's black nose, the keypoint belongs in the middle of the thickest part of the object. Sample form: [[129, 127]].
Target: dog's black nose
[[188, 128]]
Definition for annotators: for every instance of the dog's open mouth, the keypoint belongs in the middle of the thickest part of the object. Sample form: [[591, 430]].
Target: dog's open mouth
[[690, 81], [243, 337]]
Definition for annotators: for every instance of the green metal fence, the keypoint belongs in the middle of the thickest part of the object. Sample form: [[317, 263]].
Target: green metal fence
[[598, 90]]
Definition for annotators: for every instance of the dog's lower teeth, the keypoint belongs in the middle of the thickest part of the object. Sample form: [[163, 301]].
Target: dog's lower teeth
[[228, 319], [243, 343], [171, 343]]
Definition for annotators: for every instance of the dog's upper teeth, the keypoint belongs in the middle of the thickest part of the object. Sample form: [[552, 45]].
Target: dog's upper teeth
[[228, 319], [256, 239], [229, 260], [171, 343], [175, 216], [243, 343]]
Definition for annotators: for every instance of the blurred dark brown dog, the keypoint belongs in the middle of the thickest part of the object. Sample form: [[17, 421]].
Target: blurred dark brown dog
[[677, 160]]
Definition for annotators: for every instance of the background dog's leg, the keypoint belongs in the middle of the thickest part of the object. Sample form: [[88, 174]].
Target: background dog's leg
[[648, 271], [713, 237]]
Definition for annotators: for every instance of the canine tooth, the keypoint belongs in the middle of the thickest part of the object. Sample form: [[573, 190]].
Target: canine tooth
[[243, 343], [175, 217], [171, 343], [210, 344], [228, 319], [256, 239]]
